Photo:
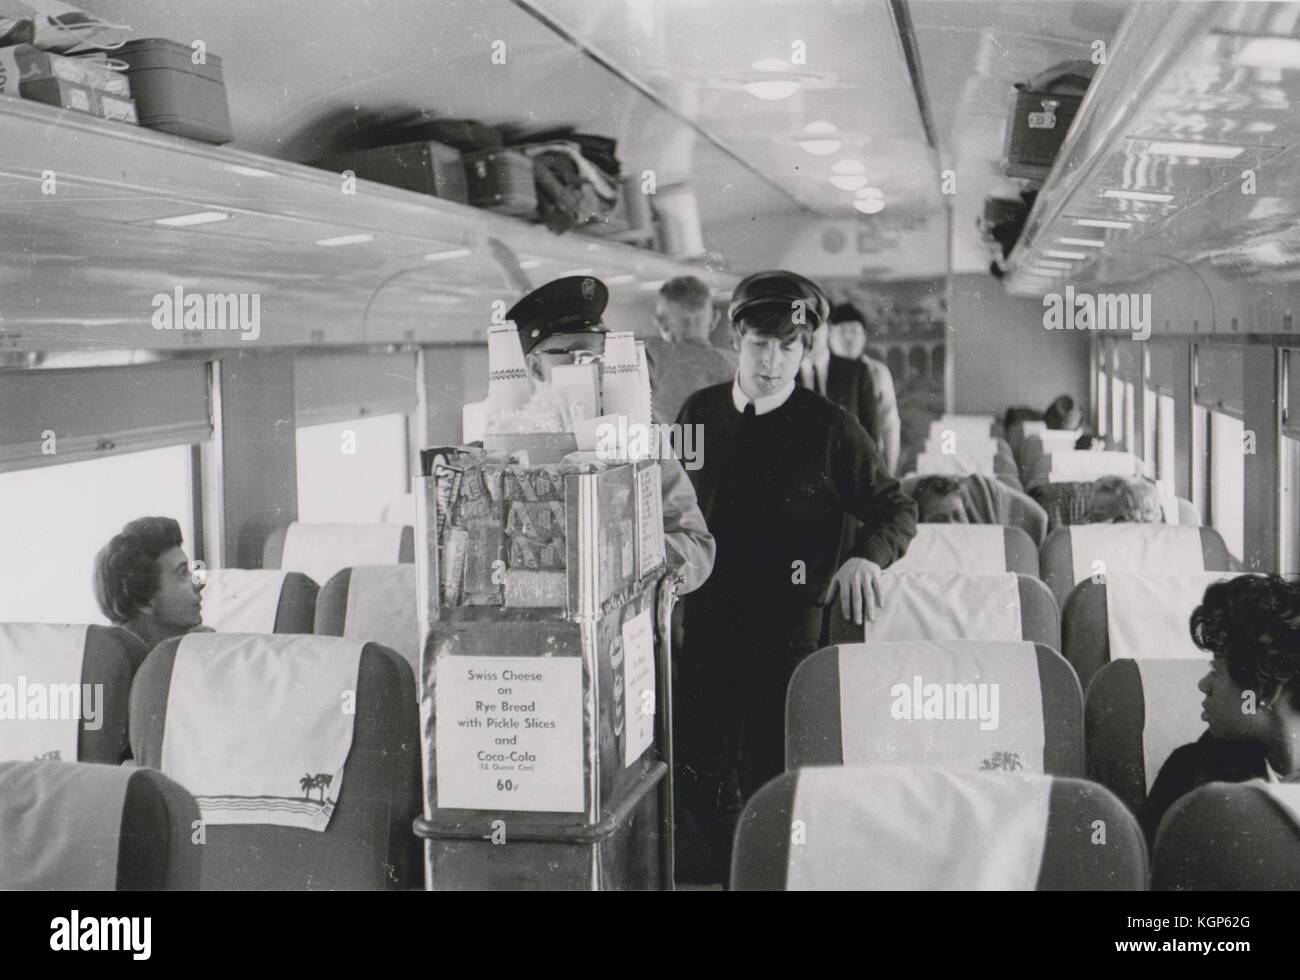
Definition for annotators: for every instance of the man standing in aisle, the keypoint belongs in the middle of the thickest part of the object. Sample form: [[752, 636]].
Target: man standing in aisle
[[561, 323], [783, 468], [681, 359], [867, 390]]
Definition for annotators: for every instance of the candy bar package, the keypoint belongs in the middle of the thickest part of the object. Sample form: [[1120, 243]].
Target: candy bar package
[[563, 536]]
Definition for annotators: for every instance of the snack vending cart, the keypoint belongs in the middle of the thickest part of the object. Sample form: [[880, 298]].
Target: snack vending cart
[[545, 707]]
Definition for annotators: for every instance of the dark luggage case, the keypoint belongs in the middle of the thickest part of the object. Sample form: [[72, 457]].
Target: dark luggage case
[[427, 167], [174, 95], [502, 181]]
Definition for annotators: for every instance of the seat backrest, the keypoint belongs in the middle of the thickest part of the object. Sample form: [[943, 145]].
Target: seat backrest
[[1135, 714], [258, 600], [374, 604], [957, 606], [1133, 616], [320, 550], [43, 653], [368, 843], [969, 548], [1228, 837], [1080, 465], [873, 704], [953, 464], [1066, 504], [963, 426], [81, 827], [1071, 554], [1032, 447], [881, 828]]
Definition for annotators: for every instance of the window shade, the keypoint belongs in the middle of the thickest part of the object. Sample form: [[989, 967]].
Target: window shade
[[338, 387], [96, 411], [1220, 382], [1127, 355]]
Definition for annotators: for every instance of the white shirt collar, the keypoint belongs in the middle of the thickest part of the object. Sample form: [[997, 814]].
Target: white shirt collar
[[768, 403]]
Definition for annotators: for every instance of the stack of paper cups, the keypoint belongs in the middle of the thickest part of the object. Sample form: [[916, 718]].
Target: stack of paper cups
[[508, 384], [643, 382], [620, 392]]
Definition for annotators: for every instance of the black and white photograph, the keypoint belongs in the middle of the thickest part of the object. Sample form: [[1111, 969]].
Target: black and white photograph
[[540, 446]]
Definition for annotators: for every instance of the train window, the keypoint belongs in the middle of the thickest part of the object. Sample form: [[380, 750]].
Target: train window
[[1165, 446], [1227, 480], [1130, 416], [1149, 429], [47, 519], [1290, 513], [348, 471], [1103, 400]]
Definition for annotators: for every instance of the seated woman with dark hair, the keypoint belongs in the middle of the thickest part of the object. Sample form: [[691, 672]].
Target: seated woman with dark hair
[[1090, 440], [143, 581], [1251, 625]]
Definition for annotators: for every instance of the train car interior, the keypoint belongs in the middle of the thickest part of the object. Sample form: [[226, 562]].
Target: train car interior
[[286, 424]]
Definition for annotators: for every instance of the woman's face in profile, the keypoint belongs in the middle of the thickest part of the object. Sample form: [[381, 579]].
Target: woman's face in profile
[[1226, 708]]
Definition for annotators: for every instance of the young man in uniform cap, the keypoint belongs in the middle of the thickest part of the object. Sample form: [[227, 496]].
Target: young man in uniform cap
[[783, 468], [560, 323]]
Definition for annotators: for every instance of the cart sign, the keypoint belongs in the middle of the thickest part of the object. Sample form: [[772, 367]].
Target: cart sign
[[509, 733]]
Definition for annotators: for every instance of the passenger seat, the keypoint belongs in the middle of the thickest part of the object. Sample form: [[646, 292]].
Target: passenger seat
[[321, 550], [373, 603], [969, 548], [67, 826], [867, 704], [914, 829], [258, 600], [367, 840], [105, 657]]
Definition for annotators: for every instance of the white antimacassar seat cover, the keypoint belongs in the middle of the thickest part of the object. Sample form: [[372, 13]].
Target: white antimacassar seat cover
[[1150, 549], [961, 704], [1147, 614], [953, 464], [242, 600], [320, 550], [41, 691], [947, 606], [258, 727], [1172, 712], [917, 829], [1286, 795], [1086, 465], [962, 445], [955, 547], [973, 426]]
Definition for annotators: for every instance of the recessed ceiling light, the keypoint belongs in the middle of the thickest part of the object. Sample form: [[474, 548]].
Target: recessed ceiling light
[[239, 168], [870, 205], [848, 166], [1047, 264], [849, 182], [1102, 223], [453, 253], [345, 240], [821, 148], [1058, 254], [197, 218], [619, 280], [1205, 151], [821, 127], [652, 284], [1269, 52], [530, 263], [575, 272], [773, 89], [1086, 242], [1138, 196]]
